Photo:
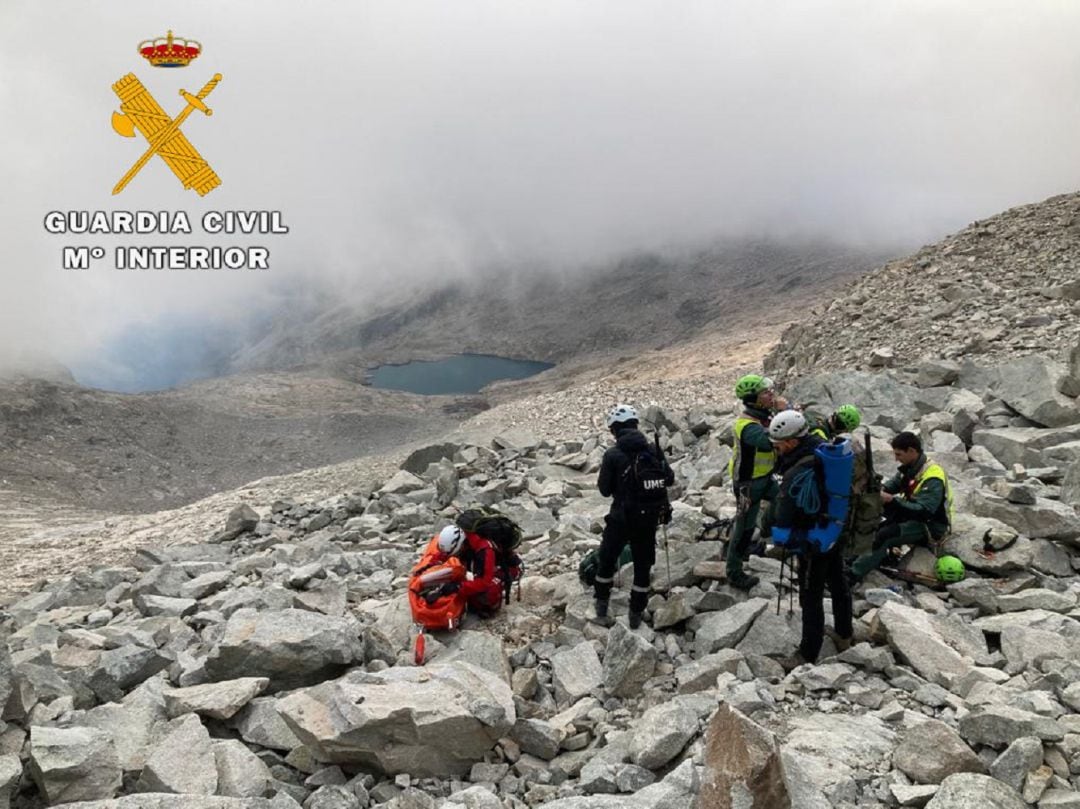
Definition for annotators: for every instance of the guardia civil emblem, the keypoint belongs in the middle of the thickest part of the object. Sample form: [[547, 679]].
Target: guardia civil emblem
[[140, 111]]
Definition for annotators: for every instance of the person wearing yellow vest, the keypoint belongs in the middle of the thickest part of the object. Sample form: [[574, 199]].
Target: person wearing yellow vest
[[751, 470], [918, 504]]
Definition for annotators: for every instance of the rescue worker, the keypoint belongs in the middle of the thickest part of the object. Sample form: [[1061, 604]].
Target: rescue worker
[[483, 587], [918, 504], [625, 524], [845, 419], [751, 470], [795, 445]]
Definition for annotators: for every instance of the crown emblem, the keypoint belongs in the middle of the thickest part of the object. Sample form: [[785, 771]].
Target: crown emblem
[[169, 51]]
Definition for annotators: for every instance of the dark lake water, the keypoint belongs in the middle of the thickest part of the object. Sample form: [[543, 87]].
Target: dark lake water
[[465, 373]]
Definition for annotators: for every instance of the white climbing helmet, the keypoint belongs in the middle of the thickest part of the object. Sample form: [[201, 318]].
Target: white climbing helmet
[[787, 424], [621, 413], [451, 539]]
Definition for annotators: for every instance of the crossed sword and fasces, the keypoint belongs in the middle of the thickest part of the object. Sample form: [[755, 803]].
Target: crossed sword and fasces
[[123, 124]]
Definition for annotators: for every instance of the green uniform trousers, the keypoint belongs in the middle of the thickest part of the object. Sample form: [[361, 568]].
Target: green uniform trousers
[[742, 531], [892, 535]]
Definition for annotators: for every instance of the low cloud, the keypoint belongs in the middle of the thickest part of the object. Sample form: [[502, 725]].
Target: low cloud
[[410, 142]]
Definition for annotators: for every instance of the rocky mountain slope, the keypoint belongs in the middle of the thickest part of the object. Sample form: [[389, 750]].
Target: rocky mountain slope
[[1004, 287], [98, 451], [270, 663]]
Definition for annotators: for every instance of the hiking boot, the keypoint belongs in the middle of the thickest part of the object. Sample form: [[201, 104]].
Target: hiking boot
[[602, 618], [757, 549], [745, 582], [842, 644], [635, 620], [792, 662]]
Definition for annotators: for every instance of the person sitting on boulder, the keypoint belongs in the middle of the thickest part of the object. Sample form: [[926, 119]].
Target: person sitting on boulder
[[918, 505], [484, 584], [795, 446]]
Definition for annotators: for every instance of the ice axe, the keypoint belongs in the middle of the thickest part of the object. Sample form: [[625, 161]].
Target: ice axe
[[126, 127]]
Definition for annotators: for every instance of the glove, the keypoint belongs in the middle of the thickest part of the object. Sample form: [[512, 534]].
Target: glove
[[448, 588]]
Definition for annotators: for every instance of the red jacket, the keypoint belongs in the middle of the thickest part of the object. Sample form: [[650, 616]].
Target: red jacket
[[485, 589]]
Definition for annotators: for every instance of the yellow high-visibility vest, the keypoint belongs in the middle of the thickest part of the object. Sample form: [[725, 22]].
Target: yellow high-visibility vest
[[764, 460], [932, 471]]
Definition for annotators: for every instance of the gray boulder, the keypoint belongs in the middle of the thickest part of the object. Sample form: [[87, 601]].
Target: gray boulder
[[216, 700], [291, 648], [701, 674], [260, 723], [576, 672], [241, 519], [240, 773], [999, 725], [74, 764], [966, 543], [119, 670], [972, 791], [182, 761], [10, 774], [537, 738], [950, 754], [398, 720], [629, 660], [7, 676], [661, 734], [168, 801], [1030, 386], [918, 639], [1018, 759], [1048, 519], [723, 630], [482, 649]]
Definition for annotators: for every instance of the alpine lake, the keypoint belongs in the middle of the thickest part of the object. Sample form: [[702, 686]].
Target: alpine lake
[[460, 374]]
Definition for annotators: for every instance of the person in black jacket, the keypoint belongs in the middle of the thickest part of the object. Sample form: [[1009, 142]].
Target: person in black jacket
[[794, 444], [627, 521]]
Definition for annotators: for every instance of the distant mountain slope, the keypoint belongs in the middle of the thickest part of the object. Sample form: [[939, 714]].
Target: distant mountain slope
[[638, 303], [1005, 286]]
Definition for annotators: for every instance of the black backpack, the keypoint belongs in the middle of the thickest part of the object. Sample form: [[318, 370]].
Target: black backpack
[[502, 532], [644, 487]]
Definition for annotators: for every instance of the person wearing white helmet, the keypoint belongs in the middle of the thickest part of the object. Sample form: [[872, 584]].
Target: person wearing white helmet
[[635, 476], [483, 588], [451, 540], [795, 445]]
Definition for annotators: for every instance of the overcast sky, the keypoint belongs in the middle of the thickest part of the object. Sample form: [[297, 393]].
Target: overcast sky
[[413, 141]]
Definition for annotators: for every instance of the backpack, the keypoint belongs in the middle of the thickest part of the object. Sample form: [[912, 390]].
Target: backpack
[[590, 563], [503, 533], [644, 487], [822, 487]]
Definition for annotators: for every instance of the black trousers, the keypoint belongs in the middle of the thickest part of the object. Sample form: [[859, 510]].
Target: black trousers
[[642, 540], [816, 572]]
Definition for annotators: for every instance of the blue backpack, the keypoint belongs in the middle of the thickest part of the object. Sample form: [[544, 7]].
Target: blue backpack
[[822, 488]]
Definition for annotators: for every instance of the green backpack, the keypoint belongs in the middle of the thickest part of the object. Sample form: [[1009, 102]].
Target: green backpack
[[590, 563]]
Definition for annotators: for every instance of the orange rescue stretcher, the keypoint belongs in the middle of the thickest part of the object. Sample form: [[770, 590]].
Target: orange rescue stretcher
[[431, 611]]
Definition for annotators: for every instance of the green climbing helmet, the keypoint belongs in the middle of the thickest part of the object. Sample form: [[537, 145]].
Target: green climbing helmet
[[752, 385], [848, 417], [949, 569]]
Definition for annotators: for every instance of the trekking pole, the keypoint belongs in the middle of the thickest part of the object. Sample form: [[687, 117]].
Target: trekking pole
[[667, 557]]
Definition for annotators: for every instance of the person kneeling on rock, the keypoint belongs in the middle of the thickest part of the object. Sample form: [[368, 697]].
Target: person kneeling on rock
[[484, 585], [797, 464], [918, 505], [635, 476]]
